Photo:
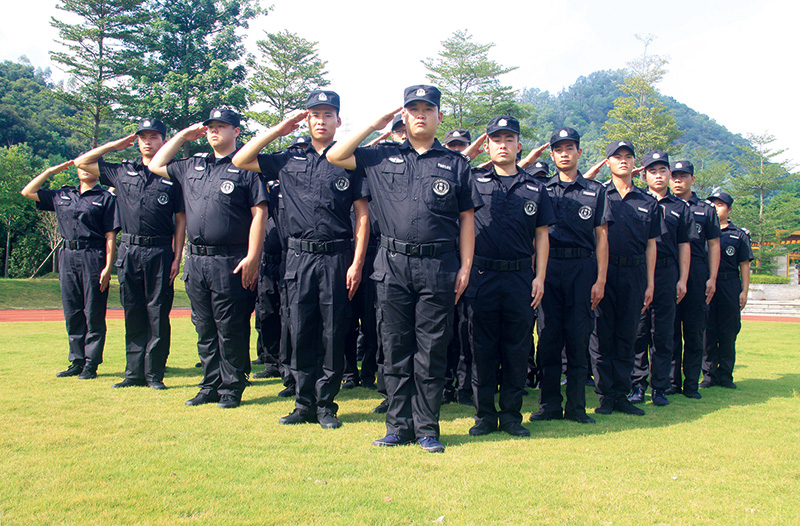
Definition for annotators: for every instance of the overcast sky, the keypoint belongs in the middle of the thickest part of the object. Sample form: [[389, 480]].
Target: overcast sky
[[734, 60]]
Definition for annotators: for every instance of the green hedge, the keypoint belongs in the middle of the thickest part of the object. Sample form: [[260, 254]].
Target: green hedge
[[769, 279]]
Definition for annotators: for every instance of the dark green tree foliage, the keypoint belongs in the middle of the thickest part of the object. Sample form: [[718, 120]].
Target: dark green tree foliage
[[288, 69], [192, 63], [99, 52]]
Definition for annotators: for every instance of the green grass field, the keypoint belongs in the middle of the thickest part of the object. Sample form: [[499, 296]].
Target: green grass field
[[80, 453]]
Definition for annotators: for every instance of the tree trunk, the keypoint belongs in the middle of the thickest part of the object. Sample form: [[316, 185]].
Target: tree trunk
[[8, 247]]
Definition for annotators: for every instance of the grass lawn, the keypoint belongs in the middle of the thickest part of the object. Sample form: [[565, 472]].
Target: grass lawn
[[44, 293], [80, 453]]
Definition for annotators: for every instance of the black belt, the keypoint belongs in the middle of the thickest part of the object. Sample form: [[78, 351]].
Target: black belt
[[664, 262], [502, 265], [417, 249], [569, 253], [216, 250], [319, 247], [146, 241], [81, 244], [627, 261], [725, 276]]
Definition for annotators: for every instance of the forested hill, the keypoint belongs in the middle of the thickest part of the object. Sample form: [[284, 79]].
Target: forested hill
[[585, 106]]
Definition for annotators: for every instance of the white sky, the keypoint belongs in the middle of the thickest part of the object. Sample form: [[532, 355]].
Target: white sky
[[734, 60]]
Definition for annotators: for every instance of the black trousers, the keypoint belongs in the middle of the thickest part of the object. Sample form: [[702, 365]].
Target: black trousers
[[221, 310], [416, 299], [500, 320], [690, 324], [618, 317], [84, 305], [565, 321], [362, 340], [655, 334], [146, 295], [286, 340], [319, 317], [268, 316], [458, 379], [724, 323]]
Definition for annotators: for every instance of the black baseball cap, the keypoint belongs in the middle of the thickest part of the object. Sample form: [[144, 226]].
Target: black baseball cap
[[565, 134], [504, 122], [682, 166], [615, 146], [655, 157], [398, 119], [539, 167], [223, 115], [722, 196], [422, 92], [459, 135], [320, 97], [302, 140], [152, 125]]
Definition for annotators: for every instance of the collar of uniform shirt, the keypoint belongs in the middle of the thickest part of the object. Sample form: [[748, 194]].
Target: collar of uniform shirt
[[436, 146], [579, 180]]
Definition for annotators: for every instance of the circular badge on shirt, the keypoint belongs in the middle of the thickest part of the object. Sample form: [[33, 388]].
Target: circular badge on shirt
[[226, 187], [342, 183], [530, 207], [440, 187], [731, 250], [585, 212], [162, 199], [699, 228]]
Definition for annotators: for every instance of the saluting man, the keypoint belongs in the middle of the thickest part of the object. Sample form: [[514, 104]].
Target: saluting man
[[226, 215], [153, 232]]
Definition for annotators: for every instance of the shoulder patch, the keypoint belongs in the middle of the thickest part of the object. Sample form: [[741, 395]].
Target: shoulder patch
[[444, 167], [531, 187], [166, 181], [396, 160], [673, 212], [589, 193], [699, 213], [484, 179], [645, 210], [97, 203], [298, 157], [233, 170]]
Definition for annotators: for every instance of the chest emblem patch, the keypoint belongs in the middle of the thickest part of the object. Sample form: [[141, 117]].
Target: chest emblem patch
[[440, 187], [699, 228], [530, 207], [342, 183], [162, 199], [585, 212], [226, 187], [731, 250]]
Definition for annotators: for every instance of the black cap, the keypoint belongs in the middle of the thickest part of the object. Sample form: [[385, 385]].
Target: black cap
[[398, 119], [682, 166], [459, 135], [320, 97], [565, 134], [302, 140], [539, 167], [722, 196], [152, 125], [655, 157], [422, 92], [504, 122], [615, 146], [223, 115]]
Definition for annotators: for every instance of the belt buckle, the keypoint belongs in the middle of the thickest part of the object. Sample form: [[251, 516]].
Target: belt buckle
[[414, 249], [203, 250], [318, 246]]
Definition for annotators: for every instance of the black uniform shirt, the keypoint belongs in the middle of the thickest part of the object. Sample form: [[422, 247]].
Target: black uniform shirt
[[418, 197], [580, 206], [678, 226], [637, 218], [218, 198], [147, 203], [706, 225], [317, 196], [513, 207], [734, 244], [83, 216]]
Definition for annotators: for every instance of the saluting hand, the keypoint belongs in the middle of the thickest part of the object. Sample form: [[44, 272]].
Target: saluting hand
[[533, 155], [249, 269], [193, 132], [291, 122], [594, 170], [386, 119], [124, 143], [353, 280], [380, 138], [474, 149], [57, 169], [637, 171]]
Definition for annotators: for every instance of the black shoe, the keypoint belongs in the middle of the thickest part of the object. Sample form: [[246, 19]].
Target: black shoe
[[659, 398], [581, 418], [286, 392], [73, 370], [391, 441], [672, 391], [707, 382], [727, 384], [692, 394], [198, 364], [369, 385], [605, 408], [127, 382], [431, 445], [270, 371], [625, 406], [515, 429], [227, 401], [482, 428], [157, 385], [328, 421], [382, 407], [349, 384], [89, 372], [466, 400], [546, 415], [637, 395], [257, 361], [448, 397], [298, 417], [203, 398]]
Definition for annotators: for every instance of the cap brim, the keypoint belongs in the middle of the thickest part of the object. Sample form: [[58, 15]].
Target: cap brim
[[423, 99]]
